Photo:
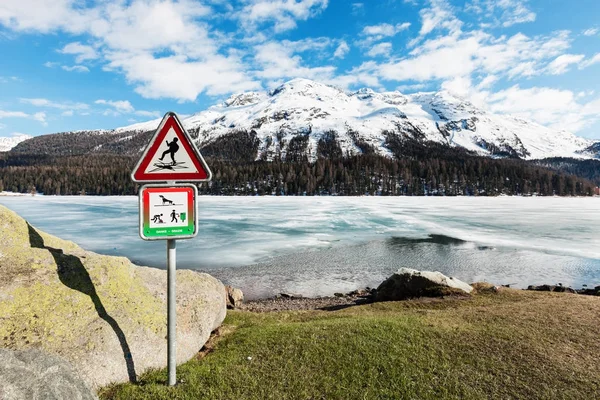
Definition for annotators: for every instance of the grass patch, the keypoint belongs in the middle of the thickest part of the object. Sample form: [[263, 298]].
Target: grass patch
[[512, 344]]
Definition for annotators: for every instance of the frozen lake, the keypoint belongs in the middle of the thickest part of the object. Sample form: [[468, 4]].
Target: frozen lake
[[321, 245]]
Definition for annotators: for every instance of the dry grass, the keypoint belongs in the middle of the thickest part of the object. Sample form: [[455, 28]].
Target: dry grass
[[509, 344]]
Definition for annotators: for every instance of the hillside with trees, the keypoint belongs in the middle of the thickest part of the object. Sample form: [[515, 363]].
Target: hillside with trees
[[415, 170]]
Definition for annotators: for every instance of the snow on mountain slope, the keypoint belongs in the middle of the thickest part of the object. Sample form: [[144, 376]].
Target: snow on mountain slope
[[307, 108], [7, 143]]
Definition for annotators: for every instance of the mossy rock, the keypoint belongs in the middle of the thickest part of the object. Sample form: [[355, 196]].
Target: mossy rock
[[101, 313]]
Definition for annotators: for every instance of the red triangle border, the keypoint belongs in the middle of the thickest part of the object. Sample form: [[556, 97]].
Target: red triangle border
[[169, 121]]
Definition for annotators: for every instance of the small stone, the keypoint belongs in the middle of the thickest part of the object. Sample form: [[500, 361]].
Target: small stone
[[339, 294], [235, 297], [249, 358]]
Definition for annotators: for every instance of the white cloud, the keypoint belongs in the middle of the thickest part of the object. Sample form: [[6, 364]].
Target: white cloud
[[283, 13], [68, 113], [4, 79], [40, 102], [140, 25], [83, 52], [515, 12], [385, 30], [2, 126], [411, 88], [44, 16], [341, 50], [560, 65], [181, 78], [487, 82], [502, 12], [309, 44], [39, 116], [452, 56], [131, 35], [591, 31], [149, 114], [380, 49], [121, 106], [75, 68], [49, 64], [277, 61], [361, 75], [438, 15], [358, 8], [448, 61], [13, 114], [459, 86], [548, 106], [594, 60], [523, 69]]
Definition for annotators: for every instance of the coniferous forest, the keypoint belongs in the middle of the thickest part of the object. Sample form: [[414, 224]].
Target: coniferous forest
[[416, 170]]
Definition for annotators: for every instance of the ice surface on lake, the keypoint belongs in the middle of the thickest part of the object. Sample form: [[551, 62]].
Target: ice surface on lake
[[319, 245]]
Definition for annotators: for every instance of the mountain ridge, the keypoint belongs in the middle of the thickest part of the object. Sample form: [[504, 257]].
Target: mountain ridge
[[300, 115]]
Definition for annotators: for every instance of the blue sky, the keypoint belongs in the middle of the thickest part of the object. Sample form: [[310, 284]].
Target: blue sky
[[74, 64]]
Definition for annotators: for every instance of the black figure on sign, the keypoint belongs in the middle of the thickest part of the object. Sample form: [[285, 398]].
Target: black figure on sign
[[157, 219], [165, 200], [174, 216], [173, 148]]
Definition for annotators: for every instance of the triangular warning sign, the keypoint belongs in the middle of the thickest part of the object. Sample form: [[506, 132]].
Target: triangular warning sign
[[171, 156]]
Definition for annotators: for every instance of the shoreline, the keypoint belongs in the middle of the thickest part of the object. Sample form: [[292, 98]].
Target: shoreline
[[296, 302], [16, 194]]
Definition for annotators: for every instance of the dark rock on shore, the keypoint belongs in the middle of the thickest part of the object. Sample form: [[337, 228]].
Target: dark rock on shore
[[564, 289], [409, 283]]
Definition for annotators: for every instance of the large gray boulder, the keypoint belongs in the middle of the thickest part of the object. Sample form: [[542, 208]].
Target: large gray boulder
[[408, 283], [35, 375], [104, 315]]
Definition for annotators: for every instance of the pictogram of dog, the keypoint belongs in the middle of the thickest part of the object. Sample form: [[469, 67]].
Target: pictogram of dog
[[164, 200]]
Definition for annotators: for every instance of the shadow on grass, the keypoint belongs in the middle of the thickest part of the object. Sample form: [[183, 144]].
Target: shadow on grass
[[73, 274], [357, 302]]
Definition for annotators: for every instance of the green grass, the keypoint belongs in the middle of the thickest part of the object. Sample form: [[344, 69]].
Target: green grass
[[513, 344]]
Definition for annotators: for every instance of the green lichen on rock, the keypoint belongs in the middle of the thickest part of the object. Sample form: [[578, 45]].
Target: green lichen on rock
[[103, 313], [54, 278]]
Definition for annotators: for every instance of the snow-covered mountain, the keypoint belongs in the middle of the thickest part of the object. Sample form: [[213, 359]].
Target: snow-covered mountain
[[301, 115], [7, 143], [307, 108]]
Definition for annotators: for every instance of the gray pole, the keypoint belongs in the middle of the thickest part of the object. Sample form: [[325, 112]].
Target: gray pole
[[171, 310]]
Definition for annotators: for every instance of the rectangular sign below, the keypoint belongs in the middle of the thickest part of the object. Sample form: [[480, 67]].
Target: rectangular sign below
[[168, 212]]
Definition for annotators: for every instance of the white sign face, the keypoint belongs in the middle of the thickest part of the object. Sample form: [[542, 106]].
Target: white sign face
[[168, 210], [171, 157]]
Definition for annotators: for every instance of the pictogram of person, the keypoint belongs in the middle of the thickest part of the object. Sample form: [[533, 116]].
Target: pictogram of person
[[157, 219], [173, 148], [174, 216]]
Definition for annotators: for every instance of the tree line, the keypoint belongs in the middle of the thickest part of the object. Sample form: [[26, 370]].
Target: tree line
[[422, 171]]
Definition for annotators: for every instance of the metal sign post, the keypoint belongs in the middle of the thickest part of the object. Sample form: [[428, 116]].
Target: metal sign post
[[171, 311], [168, 211]]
